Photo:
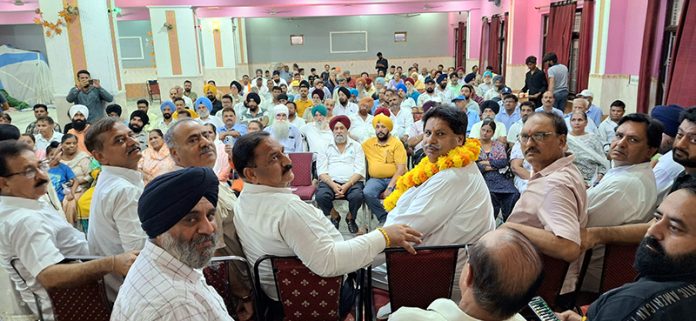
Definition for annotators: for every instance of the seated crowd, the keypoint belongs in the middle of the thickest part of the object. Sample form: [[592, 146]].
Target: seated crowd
[[436, 157]]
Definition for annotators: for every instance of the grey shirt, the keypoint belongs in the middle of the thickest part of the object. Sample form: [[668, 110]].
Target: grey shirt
[[560, 75], [94, 98]]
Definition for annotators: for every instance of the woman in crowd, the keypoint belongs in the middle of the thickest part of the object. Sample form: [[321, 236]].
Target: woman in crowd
[[155, 160], [31, 141], [493, 163], [587, 148], [80, 164], [222, 166]]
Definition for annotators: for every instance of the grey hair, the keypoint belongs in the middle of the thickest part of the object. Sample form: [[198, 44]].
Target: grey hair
[[169, 136]]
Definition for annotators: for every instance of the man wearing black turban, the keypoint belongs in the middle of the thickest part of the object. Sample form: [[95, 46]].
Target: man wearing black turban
[[344, 106], [177, 212]]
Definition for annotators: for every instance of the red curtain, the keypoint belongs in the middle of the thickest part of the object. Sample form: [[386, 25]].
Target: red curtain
[[460, 49], [683, 68], [647, 56], [483, 52], [505, 40], [585, 50], [561, 19], [494, 44]]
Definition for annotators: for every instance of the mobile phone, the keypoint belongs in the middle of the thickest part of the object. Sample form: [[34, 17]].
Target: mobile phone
[[90, 82], [542, 310], [229, 140]]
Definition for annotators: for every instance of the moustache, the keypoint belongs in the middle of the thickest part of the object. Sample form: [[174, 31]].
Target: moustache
[[431, 147], [287, 168], [654, 244], [41, 182], [133, 149], [201, 238], [207, 149], [531, 150]]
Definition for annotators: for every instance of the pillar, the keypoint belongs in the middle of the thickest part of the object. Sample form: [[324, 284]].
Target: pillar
[[87, 42], [177, 51], [219, 38]]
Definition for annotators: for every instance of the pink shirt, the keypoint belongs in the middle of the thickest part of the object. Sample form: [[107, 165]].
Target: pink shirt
[[555, 200]]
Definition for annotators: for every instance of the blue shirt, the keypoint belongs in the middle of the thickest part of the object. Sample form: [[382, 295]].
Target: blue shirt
[[595, 113], [473, 118], [60, 175], [241, 128], [506, 119]]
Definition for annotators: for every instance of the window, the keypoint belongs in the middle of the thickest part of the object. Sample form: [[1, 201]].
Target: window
[[674, 8], [296, 40]]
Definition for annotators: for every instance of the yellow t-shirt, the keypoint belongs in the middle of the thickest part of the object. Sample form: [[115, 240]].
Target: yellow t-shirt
[[302, 105], [382, 159]]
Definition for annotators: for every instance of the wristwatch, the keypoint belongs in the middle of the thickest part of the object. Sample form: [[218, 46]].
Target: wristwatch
[[390, 188]]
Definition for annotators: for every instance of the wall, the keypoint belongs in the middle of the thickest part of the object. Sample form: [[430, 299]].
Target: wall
[[138, 28], [625, 36], [27, 37], [268, 39]]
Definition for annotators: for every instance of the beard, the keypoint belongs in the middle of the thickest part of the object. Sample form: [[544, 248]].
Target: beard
[[79, 125], [443, 86], [363, 111], [186, 252], [430, 90], [281, 129], [167, 115], [656, 262], [321, 125], [204, 113], [382, 137], [340, 139], [343, 101], [135, 128], [211, 97], [685, 161]]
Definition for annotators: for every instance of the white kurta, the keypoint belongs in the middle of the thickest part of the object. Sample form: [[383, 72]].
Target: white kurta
[[439, 310], [114, 225], [317, 139], [361, 128], [666, 171], [275, 221], [39, 237], [160, 287]]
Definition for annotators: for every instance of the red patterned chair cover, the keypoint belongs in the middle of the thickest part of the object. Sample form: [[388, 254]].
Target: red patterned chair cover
[[302, 183], [87, 302], [555, 271], [417, 280], [618, 266]]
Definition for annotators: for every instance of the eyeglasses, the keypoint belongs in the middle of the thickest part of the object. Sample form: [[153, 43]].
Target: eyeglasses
[[30, 173], [537, 137]]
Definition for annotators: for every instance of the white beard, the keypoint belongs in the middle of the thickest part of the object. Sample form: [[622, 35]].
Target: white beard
[[281, 130], [203, 114]]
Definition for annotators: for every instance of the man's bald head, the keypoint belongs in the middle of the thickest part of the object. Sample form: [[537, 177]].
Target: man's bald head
[[506, 272]]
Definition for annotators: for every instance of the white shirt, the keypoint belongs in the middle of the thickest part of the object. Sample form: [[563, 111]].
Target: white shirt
[[408, 103], [415, 130], [275, 221], [42, 143], [317, 139], [500, 130], [516, 153], [446, 95], [160, 287], [114, 225], [216, 121], [607, 131], [188, 102], [39, 237], [361, 129], [425, 97], [439, 310], [350, 109], [298, 121], [341, 166], [465, 216], [666, 171], [625, 195], [514, 131], [402, 122]]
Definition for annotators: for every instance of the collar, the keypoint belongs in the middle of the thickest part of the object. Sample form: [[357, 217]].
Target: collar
[[349, 143], [250, 188], [132, 176], [166, 261], [555, 166], [449, 310], [630, 168], [20, 202]]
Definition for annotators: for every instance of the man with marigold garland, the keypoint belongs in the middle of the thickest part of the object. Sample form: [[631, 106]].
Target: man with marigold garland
[[445, 196]]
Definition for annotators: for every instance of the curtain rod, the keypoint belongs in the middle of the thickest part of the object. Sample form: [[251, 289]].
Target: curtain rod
[[561, 3]]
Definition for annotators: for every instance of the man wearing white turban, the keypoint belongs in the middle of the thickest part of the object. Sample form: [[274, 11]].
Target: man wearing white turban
[[78, 115], [284, 132]]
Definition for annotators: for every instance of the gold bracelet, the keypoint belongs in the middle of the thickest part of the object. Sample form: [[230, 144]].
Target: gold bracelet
[[386, 236]]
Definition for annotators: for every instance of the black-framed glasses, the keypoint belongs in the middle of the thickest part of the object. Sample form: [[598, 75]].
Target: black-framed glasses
[[537, 137], [30, 173]]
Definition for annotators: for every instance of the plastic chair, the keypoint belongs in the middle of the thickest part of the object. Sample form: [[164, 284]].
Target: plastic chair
[[218, 274], [303, 294], [302, 185], [417, 280], [555, 271], [84, 302], [153, 90], [618, 266]]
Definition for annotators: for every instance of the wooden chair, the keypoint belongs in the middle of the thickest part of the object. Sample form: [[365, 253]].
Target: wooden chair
[[153, 90]]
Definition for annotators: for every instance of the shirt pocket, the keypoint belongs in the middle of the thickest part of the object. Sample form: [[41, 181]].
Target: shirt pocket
[[388, 156]]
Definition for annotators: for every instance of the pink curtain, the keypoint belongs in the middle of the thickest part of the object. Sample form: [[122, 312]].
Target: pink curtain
[[647, 56], [683, 69], [558, 38], [483, 52], [585, 54], [494, 44]]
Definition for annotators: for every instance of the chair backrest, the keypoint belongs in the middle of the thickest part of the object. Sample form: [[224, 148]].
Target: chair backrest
[[218, 274], [85, 302], [302, 168], [303, 294], [153, 87], [555, 271], [417, 280], [618, 266]]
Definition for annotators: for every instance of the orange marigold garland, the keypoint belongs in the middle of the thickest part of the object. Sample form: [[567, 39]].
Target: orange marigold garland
[[456, 158]]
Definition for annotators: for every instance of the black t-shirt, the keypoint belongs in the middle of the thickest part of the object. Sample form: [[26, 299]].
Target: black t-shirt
[[647, 300]]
